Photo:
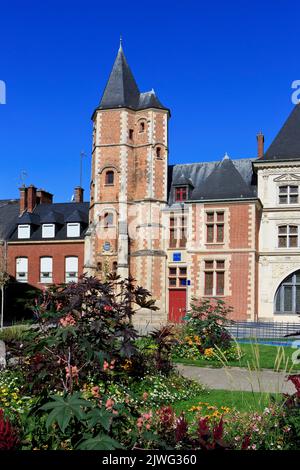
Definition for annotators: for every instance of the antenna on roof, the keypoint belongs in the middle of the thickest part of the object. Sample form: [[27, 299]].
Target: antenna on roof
[[22, 177]]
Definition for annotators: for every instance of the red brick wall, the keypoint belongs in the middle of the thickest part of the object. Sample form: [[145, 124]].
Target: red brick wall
[[34, 251]]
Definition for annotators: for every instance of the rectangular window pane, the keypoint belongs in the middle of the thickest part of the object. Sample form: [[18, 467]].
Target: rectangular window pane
[[220, 233], [210, 234], [298, 299], [172, 281], [182, 281], [210, 216], [293, 199], [209, 264], [278, 297], [293, 189], [282, 229], [288, 298], [182, 271], [293, 229], [283, 189], [208, 283], [172, 271], [220, 283], [172, 238], [220, 264], [282, 199], [172, 222], [220, 216], [293, 241], [282, 242]]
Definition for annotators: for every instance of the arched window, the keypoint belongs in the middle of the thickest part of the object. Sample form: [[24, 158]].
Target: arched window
[[71, 268], [109, 177], [46, 268], [142, 127], [108, 219], [287, 297]]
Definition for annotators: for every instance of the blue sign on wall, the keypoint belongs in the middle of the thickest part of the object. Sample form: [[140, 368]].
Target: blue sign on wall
[[176, 256]]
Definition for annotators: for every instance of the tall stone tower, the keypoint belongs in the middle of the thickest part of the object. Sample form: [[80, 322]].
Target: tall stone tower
[[129, 185]]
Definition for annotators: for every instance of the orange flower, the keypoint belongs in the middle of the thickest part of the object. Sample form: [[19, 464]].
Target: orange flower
[[68, 320]]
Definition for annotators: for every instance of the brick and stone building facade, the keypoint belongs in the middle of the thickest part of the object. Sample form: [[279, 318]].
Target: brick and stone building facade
[[191, 230]]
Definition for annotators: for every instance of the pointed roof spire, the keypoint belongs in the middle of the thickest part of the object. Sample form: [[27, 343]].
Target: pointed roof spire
[[121, 89], [286, 145]]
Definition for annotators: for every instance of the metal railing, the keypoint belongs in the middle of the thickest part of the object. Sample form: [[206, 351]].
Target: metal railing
[[262, 329]]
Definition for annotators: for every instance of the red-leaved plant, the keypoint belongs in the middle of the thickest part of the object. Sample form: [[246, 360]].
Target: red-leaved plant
[[8, 435]]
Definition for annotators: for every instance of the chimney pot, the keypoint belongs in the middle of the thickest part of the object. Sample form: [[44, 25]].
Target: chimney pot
[[260, 144], [23, 199], [78, 194]]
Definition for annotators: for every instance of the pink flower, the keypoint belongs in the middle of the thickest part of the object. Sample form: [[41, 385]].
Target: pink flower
[[95, 392], [107, 308], [109, 404], [105, 365], [68, 320]]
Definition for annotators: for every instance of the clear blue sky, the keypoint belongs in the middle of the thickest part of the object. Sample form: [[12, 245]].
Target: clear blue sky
[[224, 68]]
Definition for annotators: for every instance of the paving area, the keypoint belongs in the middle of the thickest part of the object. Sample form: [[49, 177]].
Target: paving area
[[237, 378]]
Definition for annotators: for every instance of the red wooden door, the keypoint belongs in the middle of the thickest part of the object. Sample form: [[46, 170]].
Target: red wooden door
[[177, 305]]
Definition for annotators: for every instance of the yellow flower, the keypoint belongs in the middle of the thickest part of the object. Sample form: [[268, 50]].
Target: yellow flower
[[209, 352]]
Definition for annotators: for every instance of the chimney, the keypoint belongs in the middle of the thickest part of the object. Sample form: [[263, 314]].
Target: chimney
[[23, 199], [31, 198], [260, 144], [78, 194], [43, 197]]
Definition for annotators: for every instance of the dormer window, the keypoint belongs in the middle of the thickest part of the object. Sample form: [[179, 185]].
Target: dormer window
[[48, 231], [24, 231], [181, 194], [73, 229], [109, 177]]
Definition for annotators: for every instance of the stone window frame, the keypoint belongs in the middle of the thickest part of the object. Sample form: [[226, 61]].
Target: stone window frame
[[288, 194], [204, 269], [288, 234]]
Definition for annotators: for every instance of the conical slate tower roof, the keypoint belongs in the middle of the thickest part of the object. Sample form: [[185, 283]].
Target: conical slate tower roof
[[224, 182], [121, 90], [286, 145]]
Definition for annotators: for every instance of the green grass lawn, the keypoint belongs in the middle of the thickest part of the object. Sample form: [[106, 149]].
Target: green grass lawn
[[254, 355], [241, 401]]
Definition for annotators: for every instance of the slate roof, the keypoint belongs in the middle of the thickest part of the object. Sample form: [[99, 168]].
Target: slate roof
[[226, 180], [9, 211], [59, 213], [121, 90], [286, 145]]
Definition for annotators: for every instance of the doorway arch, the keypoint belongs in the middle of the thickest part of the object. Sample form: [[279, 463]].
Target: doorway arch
[[287, 297]]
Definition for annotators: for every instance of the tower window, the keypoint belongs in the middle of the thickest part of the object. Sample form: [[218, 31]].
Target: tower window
[[158, 152], [142, 127], [108, 219], [130, 134], [109, 177]]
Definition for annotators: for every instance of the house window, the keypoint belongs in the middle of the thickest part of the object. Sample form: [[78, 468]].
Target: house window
[[214, 277], [109, 177], [178, 231], [288, 194], [24, 231], [22, 269], [48, 231], [142, 127], [46, 269], [288, 236], [130, 134], [177, 276], [180, 194], [108, 219], [71, 269], [73, 229], [215, 227]]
